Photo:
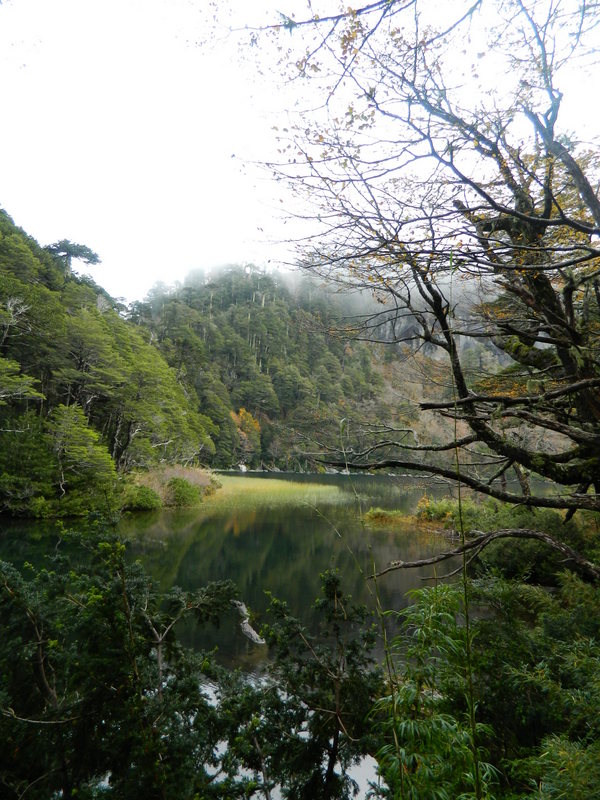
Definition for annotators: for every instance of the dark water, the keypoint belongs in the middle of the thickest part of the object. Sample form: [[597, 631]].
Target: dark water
[[270, 547], [284, 549]]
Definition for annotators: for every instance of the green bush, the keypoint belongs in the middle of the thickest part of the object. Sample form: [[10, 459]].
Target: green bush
[[520, 559], [42, 508], [141, 498], [182, 493], [569, 769], [536, 663], [444, 510], [427, 749], [528, 559], [143, 719]]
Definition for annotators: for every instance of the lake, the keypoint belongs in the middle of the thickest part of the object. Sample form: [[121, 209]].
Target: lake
[[276, 533], [270, 532]]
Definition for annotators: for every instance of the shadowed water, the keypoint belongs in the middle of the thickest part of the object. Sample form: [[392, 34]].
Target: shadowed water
[[267, 542], [268, 533]]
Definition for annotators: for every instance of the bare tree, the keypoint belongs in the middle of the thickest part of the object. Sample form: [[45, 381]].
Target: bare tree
[[442, 179]]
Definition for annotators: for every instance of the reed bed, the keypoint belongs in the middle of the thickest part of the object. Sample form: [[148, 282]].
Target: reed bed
[[241, 491]]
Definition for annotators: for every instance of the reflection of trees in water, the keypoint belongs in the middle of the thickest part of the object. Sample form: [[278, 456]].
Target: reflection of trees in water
[[279, 549], [283, 551]]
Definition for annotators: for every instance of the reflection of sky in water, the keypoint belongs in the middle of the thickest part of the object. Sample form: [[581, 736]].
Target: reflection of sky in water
[[283, 549]]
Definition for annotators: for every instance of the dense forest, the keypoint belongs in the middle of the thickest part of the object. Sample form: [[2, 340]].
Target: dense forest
[[96, 690], [263, 358], [470, 220], [233, 370]]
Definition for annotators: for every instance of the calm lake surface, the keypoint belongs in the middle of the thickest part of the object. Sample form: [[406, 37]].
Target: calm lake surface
[[267, 538], [267, 542]]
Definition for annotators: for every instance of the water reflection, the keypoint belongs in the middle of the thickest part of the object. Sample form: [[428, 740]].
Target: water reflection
[[283, 550], [267, 543]]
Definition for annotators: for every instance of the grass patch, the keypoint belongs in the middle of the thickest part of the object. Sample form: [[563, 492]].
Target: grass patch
[[397, 520], [181, 487], [382, 516], [249, 492], [385, 518]]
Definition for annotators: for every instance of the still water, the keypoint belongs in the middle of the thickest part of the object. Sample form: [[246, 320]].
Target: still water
[[268, 534], [271, 541]]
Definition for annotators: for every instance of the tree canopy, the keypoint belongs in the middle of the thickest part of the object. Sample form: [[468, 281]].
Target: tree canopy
[[230, 370], [66, 250]]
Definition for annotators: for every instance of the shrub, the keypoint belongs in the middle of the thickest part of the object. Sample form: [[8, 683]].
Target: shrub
[[437, 510], [524, 560], [42, 508], [141, 498], [182, 493]]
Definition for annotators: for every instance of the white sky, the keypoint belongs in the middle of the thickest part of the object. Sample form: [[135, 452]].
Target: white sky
[[128, 125], [124, 129]]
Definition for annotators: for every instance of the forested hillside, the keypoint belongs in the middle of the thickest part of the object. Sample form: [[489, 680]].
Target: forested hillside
[[233, 370], [259, 358]]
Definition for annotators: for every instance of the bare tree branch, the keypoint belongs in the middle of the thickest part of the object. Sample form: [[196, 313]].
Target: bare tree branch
[[587, 568]]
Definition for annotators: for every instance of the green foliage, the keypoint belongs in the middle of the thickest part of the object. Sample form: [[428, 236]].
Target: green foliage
[[428, 750], [537, 662], [569, 769], [64, 346], [536, 681], [28, 467], [97, 699], [54, 467], [524, 560], [489, 515], [140, 498], [243, 340], [444, 510], [307, 723], [81, 458], [181, 493], [65, 251], [161, 387], [14, 385], [102, 636]]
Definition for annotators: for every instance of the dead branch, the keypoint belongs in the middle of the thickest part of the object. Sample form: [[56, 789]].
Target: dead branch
[[481, 540]]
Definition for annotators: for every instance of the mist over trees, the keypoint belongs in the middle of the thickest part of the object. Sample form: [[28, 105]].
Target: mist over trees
[[425, 173], [463, 218]]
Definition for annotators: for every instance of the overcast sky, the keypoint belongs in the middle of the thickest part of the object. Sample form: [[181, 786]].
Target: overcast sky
[[127, 125]]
